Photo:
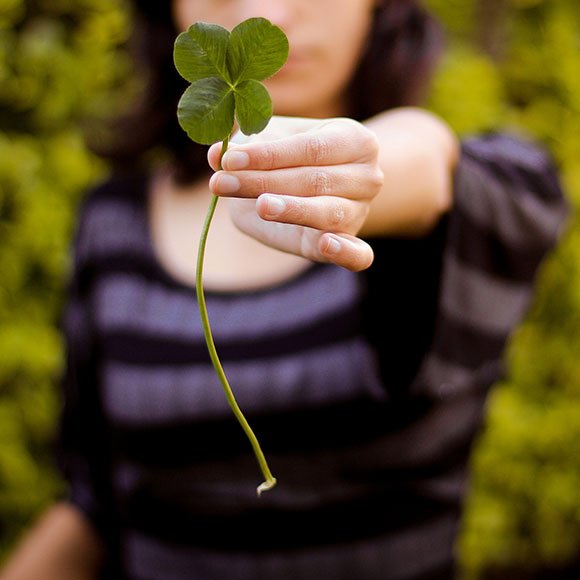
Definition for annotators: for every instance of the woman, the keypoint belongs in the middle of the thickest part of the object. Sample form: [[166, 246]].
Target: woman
[[365, 383]]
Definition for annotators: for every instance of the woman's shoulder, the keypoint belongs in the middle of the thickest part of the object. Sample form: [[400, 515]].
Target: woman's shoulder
[[515, 160], [509, 187]]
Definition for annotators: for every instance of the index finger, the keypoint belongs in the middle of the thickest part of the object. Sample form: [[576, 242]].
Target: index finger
[[334, 142]]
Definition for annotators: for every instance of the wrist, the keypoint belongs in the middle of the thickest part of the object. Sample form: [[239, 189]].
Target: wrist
[[418, 155], [426, 128]]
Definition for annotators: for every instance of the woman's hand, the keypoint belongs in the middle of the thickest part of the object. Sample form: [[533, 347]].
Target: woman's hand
[[304, 186]]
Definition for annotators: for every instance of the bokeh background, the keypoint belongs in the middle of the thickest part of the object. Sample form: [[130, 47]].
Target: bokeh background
[[511, 64]]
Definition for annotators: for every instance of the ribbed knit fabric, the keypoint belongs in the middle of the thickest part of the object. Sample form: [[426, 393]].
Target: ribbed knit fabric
[[366, 390]]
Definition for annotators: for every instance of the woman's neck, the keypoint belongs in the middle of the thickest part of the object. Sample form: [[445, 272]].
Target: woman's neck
[[233, 260]]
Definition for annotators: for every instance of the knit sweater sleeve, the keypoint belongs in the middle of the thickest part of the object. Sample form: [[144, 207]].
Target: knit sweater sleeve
[[507, 192], [509, 211]]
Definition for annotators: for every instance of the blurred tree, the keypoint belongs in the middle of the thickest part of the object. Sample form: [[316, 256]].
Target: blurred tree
[[58, 66], [519, 69], [490, 16]]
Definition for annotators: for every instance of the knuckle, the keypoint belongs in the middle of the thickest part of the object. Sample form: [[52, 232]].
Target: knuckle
[[372, 142], [346, 123], [261, 184], [377, 178], [350, 126], [355, 134], [317, 149], [337, 215], [319, 183], [298, 211], [368, 144], [267, 156]]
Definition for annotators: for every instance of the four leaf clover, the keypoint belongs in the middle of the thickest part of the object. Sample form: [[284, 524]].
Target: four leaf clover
[[225, 69]]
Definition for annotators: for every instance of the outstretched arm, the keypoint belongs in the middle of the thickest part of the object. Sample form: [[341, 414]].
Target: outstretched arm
[[315, 185]]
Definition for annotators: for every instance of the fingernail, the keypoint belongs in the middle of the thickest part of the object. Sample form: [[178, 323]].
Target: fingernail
[[333, 246], [274, 205], [224, 183], [234, 160]]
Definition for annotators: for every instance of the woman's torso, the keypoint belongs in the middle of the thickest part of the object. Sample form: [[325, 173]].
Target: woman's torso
[[351, 498]]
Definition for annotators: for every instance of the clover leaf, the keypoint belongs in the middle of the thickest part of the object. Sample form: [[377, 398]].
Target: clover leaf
[[225, 69]]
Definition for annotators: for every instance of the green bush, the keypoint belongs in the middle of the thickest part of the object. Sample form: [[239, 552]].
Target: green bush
[[523, 514], [58, 67]]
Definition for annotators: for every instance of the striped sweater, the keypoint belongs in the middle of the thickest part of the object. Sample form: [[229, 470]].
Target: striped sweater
[[366, 390]]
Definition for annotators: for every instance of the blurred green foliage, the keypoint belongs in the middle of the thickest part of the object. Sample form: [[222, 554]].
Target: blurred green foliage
[[523, 515], [513, 64], [59, 65]]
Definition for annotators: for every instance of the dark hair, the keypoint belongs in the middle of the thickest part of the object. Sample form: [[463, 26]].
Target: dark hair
[[395, 70]]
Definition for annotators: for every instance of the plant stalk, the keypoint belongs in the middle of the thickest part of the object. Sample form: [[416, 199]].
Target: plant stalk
[[270, 480]]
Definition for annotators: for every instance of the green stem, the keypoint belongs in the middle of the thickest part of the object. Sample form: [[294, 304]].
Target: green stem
[[270, 480]]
